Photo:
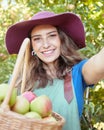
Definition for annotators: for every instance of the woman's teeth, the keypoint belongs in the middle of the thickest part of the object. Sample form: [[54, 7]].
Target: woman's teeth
[[48, 52]]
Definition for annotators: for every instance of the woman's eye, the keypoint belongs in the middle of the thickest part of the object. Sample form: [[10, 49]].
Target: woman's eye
[[53, 35], [36, 39]]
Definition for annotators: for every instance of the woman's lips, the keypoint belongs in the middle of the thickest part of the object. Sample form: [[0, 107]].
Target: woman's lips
[[48, 52]]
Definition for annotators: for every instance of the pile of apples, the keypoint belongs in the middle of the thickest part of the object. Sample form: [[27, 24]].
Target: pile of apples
[[28, 104]]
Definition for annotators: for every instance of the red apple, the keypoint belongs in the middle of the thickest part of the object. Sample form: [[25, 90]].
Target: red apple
[[29, 95], [34, 115], [42, 105], [21, 106]]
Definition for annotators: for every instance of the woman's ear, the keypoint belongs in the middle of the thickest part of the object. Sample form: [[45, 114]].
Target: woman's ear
[[33, 53]]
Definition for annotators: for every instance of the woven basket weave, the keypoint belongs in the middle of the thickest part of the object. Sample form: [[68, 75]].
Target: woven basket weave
[[13, 121], [10, 120]]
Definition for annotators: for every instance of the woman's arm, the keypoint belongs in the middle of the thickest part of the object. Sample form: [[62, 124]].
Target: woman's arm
[[93, 69]]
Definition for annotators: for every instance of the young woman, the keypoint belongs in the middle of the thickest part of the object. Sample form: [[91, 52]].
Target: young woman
[[55, 66]]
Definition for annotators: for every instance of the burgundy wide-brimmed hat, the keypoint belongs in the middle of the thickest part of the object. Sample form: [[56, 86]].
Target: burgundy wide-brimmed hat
[[70, 23]]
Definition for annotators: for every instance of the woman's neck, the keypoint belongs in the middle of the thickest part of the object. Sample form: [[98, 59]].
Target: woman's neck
[[50, 70]]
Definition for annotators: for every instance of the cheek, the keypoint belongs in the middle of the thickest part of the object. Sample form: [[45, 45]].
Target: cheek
[[36, 47], [58, 44]]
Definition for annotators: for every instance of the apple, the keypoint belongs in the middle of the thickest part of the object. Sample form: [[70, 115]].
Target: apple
[[50, 119], [21, 105], [32, 114], [3, 91], [42, 105], [29, 95], [13, 97]]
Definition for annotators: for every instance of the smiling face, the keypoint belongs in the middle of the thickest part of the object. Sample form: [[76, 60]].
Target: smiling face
[[46, 43]]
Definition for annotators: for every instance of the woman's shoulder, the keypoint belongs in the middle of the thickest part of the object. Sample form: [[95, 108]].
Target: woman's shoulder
[[77, 73], [80, 64]]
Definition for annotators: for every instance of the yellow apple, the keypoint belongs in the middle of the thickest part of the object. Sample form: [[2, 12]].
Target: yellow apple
[[21, 105], [34, 115]]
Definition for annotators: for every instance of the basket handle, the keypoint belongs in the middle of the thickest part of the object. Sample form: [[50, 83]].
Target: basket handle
[[20, 57], [25, 67]]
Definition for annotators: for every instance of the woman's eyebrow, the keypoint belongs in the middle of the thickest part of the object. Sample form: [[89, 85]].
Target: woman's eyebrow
[[52, 32], [35, 36], [38, 35]]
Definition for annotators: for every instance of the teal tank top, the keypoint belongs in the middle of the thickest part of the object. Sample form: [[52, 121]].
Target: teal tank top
[[68, 110]]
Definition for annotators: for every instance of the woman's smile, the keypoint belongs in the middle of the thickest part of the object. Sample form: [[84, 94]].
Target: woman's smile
[[48, 52]]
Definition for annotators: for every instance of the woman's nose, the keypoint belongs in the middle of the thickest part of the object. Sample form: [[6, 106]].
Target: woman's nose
[[45, 43]]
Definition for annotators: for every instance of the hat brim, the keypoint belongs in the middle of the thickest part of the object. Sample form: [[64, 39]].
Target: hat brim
[[68, 22]]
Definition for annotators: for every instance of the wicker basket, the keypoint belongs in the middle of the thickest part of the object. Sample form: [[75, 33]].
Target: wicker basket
[[10, 120], [13, 121]]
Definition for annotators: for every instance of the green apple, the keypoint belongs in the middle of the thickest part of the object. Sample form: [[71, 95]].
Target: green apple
[[42, 105], [21, 105], [3, 91], [13, 97], [34, 115], [50, 119]]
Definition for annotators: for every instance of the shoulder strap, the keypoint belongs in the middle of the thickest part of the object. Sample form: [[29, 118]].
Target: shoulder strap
[[68, 90]]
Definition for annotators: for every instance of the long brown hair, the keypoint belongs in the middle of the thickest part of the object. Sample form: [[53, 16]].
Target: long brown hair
[[37, 75]]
